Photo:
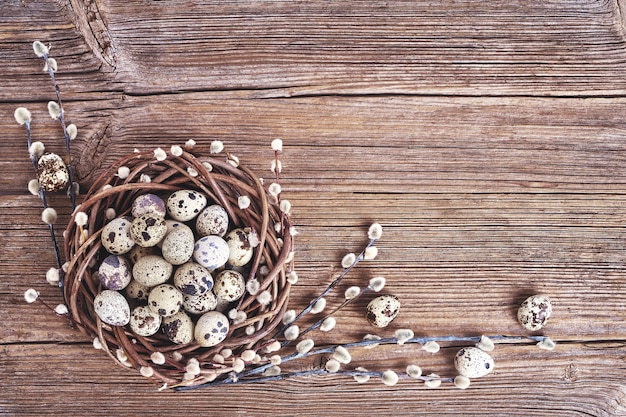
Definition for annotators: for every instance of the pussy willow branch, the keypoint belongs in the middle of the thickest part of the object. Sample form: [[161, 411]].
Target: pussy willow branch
[[57, 90], [42, 196], [328, 289], [249, 375]]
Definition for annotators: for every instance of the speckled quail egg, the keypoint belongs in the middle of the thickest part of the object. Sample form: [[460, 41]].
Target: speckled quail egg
[[137, 291], [184, 205], [178, 245], [211, 329], [534, 312], [193, 279], [114, 272], [213, 220], [116, 237], [229, 285], [144, 321], [211, 252], [152, 270], [198, 304], [52, 172], [139, 252], [148, 230], [382, 310], [179, 328], [112, 308], [472, 362], [240, 250], [165, 300], [148, 204]]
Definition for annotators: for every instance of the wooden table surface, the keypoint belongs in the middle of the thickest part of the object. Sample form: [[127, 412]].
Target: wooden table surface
[[488, 138]]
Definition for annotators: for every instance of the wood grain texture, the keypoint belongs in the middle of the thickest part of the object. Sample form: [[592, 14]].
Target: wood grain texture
[[487, 138]]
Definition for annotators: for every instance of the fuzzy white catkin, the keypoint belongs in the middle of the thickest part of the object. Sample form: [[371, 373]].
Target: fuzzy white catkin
[[192, 172], [123, 172], [361, 378], [72, 131], [277, 145], [49, 215], [292, 277], [33, 187], [248, 355], [160, 154], [61, 309], [485, 344], [431, 347], [371, 252], [243, 202], [352, 292], [190, 144], [145, 178], [52, 64], [273, 347], [319, 306], [433, 382], [348, 260], [264, 298], [375, 231], [146, 371], [292, 332], [22, 115], [40, 49], [176, 150], [390, 378], [414, 371], [81, 218], [274, 189], [238, 365], [342, 355], [31, 295], [97, 345], [377, 284], [53, 276], [110, 213], [233, 160], [547, 344], [276, 165], [36, 149], [461, 382], [304, 346], [332, 366], [54, 110], [216, 146], [253, 286], [328, 324], [157, 358], [285, 206], [371, 337], [272, 371], [289, 316], [404, 335]]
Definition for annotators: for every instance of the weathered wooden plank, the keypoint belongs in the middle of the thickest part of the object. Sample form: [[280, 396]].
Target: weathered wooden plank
[[399, 47], [552, 379], [366, 144]]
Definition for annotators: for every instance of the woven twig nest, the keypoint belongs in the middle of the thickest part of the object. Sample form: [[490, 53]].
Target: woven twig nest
[[221, 182]]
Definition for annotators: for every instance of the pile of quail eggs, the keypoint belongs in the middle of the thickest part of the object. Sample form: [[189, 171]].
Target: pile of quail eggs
[[173, 266]]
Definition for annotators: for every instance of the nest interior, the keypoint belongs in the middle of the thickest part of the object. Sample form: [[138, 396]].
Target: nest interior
[[222, 183]]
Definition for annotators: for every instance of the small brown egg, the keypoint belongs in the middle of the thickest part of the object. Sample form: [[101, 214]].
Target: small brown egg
[[211, 329], [198, 304], [179, 328], [229, 285], [148, 204], [115, 236], [185, 205], [382, 310], [144, 321], [534, 312], [178, 245], [213, 220], [165, 300], [193, 279], [472, 362], [114, 272], [112, 308], [240, 250], [148, 230], [52, 172], [152, 270]]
